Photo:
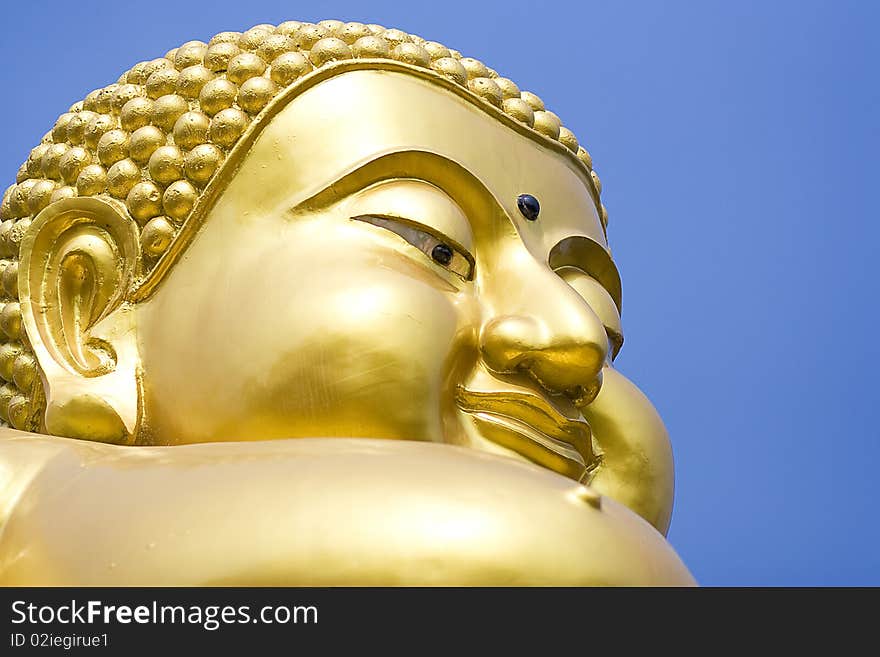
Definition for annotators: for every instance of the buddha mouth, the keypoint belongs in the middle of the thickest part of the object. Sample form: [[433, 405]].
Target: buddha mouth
[[531, 426]]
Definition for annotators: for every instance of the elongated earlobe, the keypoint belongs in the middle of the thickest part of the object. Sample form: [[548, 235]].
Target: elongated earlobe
[[78, 260]]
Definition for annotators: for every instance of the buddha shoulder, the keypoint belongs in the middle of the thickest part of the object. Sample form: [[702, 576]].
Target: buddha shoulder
[[310, 512]]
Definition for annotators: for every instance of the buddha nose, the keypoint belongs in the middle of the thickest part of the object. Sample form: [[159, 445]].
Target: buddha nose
[[546, 329]]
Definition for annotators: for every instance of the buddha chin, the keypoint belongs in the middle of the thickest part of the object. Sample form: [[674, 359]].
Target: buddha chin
[[315, 291]]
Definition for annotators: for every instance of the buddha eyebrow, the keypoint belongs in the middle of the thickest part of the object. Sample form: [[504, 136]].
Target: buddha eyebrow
[[399, 165]]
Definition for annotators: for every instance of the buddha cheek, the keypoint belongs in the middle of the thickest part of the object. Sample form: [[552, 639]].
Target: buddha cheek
[[343, 337], [362, 350]]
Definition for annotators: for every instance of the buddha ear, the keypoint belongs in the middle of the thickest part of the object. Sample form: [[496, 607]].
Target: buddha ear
[[78, 261]]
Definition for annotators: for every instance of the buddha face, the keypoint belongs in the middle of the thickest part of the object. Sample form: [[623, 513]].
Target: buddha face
[[390, 260]]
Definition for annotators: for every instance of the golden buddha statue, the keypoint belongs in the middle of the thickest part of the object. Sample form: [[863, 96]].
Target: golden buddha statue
[[319, 304]]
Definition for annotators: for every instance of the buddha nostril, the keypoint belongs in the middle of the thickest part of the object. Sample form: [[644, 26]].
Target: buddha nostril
[[523, 365], [575, 392], [582, 395]]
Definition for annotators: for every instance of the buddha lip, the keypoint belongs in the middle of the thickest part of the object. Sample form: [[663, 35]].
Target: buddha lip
[[533, 418]]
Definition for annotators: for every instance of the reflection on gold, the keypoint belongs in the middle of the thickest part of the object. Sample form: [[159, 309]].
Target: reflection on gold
[[319, 304]]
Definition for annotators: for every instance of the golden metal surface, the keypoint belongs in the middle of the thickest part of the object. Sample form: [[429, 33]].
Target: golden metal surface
[[294, 293], [315, 512]]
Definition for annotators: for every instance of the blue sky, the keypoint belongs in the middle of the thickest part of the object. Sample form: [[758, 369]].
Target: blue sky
[[737, 143]]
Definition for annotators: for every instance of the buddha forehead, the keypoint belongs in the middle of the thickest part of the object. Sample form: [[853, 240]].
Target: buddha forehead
[[365, 126]]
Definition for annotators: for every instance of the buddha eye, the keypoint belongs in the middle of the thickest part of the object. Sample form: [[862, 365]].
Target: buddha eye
[[443, 254], [440, 249]]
